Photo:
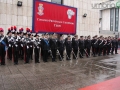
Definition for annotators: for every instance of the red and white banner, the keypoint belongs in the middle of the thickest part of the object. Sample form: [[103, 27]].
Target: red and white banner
[[54, 18]]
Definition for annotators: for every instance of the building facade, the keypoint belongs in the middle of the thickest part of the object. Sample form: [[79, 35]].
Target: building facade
[[21, 16], [109, 19]]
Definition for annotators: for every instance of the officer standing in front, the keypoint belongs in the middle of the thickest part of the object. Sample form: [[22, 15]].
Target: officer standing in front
[[46, 48], [75, 46], [53, 47], [37, 45], [16, 48], [81, 46], [68, 45], [61, 47], [3, 46]]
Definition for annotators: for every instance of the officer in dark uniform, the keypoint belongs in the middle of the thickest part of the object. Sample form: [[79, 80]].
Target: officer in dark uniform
[[116, 45], [26, 48], [41, 45], [31, 46], [21, 51], [68, 45], [46, 47], [108, 45], [3, 46], [94, 45], [16, 48], [104, 46], [53, 46], [81, 46], [61, 47], [10, 43], [75, 46], [100, 45], [88, 45], [37, 45], [113, 45]]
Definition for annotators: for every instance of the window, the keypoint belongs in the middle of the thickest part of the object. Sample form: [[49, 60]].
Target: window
[[111, 19], [57, 1], [116, 19]]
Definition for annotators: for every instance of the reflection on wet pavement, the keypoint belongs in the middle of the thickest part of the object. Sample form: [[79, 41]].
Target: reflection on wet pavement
[[60, 75]]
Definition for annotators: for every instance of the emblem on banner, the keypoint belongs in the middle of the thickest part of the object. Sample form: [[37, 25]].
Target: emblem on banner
[[40, 9], [70, 13]]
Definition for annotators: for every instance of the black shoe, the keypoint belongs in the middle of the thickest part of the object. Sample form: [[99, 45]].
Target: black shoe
[[3, 64], [116, 53], [60, 59], [15, 63], [81, 57]]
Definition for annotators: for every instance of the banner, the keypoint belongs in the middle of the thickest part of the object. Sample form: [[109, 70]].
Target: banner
[[54, 18]]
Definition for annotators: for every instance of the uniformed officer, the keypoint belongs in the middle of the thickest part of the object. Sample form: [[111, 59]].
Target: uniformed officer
[[81, 46], [31, 46], [116, 45], [88, 45], [41, 45], [75, 46], [108, 45], [10, 43], [95, 45], [16, 48], [26, 48], [105, 46], [37, 45], [21, 50], [46, 47], [61, 47], [3, 46], [100, 45], [68, 45], [53, 46], [113, 45]]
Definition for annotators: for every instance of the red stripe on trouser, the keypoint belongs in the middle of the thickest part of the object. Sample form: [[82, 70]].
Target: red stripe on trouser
[[13, 54], [24, 54]]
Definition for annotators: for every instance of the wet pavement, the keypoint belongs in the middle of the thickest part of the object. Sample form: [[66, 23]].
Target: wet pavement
[[60, 75]]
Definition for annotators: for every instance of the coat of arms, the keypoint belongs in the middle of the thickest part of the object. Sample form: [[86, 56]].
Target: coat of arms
[[40, 9], [70, 13]]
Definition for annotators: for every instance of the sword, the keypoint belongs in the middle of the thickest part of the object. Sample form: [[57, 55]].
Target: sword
[[51, 53], [59, 54], [86, 53], [74, 54], [80, 53]]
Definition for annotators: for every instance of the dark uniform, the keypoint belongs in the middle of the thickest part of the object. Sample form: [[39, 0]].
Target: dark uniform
[[100, 46], [81, 48], [94, 46], [88, 46], [3, 47], [27, 50], [10, 44], [104, 47], [53, 47], [68, 45], [37, 45], [113, 42], [41, 45], [46, 48], [21, 51], [75, 46], [16, 49], [31, 48], [61, 48], [116, 46], [108, 46]]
